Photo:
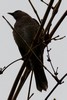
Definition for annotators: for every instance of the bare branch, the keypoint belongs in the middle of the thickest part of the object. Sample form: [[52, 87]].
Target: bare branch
[[21, 83], [55, 10], [46, 3], [4, 68], [49, 59], [34, 10], [31, 95], [55, 38], [58, 83], [44, 20], [58, 23], [30, 87]]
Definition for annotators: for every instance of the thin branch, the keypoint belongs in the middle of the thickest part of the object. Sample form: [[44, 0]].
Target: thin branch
[[58, 23], [55, 38], [46, 3], [16, 82], [34, 10], [44, 20], [58, 83], [21, 83], [22, 80], [49, 59], [30, 87], [31, 95], [55, 10], [4, 68]]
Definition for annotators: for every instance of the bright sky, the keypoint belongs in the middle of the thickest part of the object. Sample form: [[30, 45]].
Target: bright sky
[[9, 51]]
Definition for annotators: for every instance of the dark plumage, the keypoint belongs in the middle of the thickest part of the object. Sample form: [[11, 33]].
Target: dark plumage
[[27, 27]]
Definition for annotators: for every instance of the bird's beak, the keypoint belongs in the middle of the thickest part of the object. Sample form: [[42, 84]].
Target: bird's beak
[[10, 14]]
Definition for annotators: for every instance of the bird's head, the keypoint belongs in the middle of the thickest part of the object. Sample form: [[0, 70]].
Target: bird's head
[[17, 14]]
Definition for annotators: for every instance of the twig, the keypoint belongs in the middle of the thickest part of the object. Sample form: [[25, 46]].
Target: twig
[[31, 95], [49, 59], [46, 4], [35, 11], [30, 87], [44, 18], [22, 80], [55, 10], [16, 82], [21, 83], [58, 23], [58, 83], [4, 68], [55, 38]]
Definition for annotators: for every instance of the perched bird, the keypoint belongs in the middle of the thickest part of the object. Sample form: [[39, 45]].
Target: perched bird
[[27, 27]]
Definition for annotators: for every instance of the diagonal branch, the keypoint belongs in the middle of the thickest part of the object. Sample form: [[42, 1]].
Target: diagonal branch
[[21, 83], [30, 86], [44, 20], [34, 10], [58, 23], [46, 3], [55, 10], [58, 83]]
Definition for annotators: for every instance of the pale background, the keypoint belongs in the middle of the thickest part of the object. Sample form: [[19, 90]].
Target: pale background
[[9, 51]]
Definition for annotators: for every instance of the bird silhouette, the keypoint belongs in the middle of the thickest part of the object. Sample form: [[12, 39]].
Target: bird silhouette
[[27, 28]]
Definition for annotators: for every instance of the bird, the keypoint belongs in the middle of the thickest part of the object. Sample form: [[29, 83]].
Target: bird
[[27, 27]]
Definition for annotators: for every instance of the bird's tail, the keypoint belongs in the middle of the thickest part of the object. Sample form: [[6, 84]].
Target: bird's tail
[[40, 77]]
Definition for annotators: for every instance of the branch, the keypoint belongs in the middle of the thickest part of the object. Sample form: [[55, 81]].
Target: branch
[[4, 68], [46, 4], [30, 87], [34, 10], [58, 23], [44, 20], [58, 83], [21, 83], [55, 10], [55, 38], [49, 59]]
